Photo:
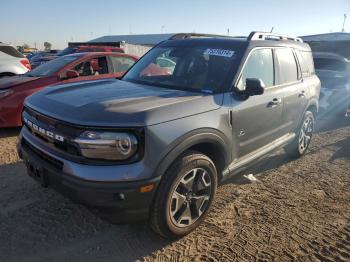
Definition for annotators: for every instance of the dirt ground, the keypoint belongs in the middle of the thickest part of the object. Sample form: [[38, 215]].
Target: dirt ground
[[298, 210]]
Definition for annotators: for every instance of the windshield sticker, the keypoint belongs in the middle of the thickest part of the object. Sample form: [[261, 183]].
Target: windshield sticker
[[219, 52]]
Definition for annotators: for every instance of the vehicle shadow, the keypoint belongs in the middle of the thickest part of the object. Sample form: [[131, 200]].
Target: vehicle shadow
[[269, 162], [9, 131]]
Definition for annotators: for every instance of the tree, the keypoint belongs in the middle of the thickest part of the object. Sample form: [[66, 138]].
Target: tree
[[47, 46], [25, 46]]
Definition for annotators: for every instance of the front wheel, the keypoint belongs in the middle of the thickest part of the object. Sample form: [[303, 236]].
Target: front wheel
[[300, 144], [184, 195]]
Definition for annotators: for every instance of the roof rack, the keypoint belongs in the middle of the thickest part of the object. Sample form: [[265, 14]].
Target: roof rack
[[195, 35], [271, 36]]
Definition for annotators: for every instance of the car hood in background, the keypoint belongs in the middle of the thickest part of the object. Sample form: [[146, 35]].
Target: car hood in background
[[117, 103], [8, 82]]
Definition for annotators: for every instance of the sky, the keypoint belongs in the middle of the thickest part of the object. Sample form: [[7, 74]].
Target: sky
[[59, 22]]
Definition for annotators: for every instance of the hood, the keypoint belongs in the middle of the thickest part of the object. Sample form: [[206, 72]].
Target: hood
[[115, 103], [8, 82]]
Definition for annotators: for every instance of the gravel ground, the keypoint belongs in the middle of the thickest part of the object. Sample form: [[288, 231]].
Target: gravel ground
[[297, 211]]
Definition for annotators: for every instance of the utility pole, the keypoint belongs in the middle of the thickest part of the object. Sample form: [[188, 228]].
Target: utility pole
[[228, 31], [271, 30], [343, 29]]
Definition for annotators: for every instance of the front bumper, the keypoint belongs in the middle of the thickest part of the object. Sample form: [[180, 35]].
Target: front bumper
[[123, 197]]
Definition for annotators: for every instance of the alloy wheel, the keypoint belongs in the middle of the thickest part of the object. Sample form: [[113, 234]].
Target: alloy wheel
[[305, 134], [190, 197]]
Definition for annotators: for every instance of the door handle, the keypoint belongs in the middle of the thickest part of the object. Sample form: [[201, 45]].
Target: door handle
[[275, 102], [302, 94]]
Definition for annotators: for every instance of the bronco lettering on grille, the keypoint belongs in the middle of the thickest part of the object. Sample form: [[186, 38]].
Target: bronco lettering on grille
[[43, 131]]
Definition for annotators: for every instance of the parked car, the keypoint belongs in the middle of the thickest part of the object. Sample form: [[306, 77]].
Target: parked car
[[35, 56], [75, 49], [334, 73], [12, 62], [156, 146], [32, 54], [63, 70]]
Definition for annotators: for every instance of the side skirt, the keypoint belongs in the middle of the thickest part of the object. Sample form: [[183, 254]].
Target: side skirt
[[240, 163]]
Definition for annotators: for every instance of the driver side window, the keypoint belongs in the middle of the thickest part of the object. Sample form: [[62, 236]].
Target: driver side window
[[259, 65], [92, 67]]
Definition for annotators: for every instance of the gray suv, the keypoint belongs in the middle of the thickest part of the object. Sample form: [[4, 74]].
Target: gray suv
[[157, 142]]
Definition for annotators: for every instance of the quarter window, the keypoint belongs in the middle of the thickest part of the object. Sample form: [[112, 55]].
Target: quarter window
[[288, 70], [259, 65]]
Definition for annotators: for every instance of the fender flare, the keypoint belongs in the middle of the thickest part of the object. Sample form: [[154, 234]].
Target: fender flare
[[196, 137]]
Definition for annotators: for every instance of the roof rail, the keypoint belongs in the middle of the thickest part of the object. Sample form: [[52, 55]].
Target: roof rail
[[195, 35], [271, 36]]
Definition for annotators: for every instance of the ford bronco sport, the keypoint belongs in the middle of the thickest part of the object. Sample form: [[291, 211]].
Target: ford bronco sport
[[158, 142]]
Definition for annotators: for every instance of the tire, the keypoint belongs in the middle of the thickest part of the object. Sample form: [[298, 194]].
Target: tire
[[177, 196], [301, 142]]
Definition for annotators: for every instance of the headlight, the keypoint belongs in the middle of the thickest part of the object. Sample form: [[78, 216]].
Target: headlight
[[107, 145], [5, 92]]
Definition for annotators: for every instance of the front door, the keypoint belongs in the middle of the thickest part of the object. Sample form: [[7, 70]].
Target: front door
[[256, 121]]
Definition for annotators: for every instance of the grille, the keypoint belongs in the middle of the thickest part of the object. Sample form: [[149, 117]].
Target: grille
[[55, 126], [45, 157]]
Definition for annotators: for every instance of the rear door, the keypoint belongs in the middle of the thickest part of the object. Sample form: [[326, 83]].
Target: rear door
[[290, 80], [256, 121]]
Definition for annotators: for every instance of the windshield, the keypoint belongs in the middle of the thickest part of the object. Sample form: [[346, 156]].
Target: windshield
[[50, 68], [66, 51], [193, 68], [329, 64]]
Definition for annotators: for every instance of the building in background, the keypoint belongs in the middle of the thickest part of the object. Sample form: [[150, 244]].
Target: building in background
[[331, 42], [132, 44]]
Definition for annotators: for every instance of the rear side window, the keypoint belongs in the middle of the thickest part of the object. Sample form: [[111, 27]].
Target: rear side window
[[329, 64], [303, 66], [308, 60], [11, 51], [259, 65], [121, 64], [288, 70]]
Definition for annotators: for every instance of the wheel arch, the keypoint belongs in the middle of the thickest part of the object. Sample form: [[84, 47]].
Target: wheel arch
[[313, 107], [209, 142]]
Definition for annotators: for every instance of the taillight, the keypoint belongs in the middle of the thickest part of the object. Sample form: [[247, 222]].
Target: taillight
[[26, 63]]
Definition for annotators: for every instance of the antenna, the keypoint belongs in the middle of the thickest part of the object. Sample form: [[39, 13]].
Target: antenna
[[343, 29]]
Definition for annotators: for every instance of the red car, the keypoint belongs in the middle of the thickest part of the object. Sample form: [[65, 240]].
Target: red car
[[65, 69], [35, 62]]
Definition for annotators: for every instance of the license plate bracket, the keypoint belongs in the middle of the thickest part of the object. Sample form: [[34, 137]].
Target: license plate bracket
[[36, 171]]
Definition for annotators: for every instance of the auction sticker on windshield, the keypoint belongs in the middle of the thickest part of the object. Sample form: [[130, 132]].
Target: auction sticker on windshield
[[219, 52]]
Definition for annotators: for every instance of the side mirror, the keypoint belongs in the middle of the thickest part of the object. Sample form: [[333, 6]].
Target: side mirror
[[71, 74], [254, 86]]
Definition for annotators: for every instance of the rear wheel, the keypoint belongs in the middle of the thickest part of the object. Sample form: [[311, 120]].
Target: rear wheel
[[184, 195], [302, 141]]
